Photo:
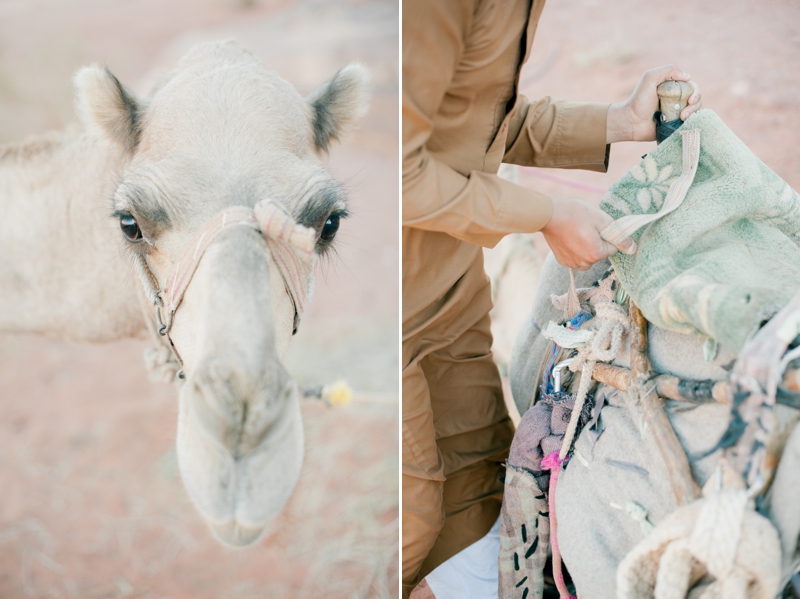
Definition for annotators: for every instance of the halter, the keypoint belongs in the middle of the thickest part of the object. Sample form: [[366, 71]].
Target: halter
[[291, 246]]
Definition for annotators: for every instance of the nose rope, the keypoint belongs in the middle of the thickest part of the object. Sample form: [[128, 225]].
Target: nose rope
[[291, 246]]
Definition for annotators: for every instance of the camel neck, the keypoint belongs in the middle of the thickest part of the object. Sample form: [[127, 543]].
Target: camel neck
[[32, 149], [58, 244]]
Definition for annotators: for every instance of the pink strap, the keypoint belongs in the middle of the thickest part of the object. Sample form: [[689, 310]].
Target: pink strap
[[291, 246], [553, 463]]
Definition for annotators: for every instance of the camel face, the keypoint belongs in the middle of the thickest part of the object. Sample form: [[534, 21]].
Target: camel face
[[222, 130]]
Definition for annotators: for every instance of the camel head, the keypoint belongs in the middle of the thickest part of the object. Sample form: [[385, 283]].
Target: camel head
[[222, 131]]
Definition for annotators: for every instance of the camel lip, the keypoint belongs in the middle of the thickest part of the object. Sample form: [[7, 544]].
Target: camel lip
[[234, 534], [218, 475]]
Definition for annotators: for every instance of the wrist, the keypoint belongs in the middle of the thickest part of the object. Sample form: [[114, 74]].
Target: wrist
[[618, 126], [554, 222], [551, 208]]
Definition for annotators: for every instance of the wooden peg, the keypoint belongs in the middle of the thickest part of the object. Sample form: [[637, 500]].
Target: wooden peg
[[673, 97]]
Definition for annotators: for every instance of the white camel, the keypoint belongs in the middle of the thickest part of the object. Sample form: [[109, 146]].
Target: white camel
[[99, 223]]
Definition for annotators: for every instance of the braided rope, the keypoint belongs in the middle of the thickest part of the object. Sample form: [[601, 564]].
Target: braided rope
[[717, 535], [611, 325]]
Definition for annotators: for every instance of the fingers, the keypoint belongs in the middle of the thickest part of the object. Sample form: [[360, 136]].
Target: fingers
[[627, 246], [673, 73], [695, 102], [666, 73], [573, 234], [644, 101], [600, 251]]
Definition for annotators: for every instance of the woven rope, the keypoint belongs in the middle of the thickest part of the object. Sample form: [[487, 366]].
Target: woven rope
[[290, 244], [291, 248], [717, 535], [611, 325]]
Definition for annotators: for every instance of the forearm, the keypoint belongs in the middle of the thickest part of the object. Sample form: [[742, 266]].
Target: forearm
[[480, 208], [619, 125], [552, 133]]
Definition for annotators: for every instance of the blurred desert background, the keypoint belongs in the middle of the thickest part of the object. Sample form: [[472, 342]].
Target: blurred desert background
[[91, 502]]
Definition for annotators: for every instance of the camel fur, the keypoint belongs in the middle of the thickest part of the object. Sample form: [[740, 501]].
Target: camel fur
[[220, 130]]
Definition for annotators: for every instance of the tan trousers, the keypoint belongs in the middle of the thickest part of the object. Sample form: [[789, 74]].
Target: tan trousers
[[456, 434]]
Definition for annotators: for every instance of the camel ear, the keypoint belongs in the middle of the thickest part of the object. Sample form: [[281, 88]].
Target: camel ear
[[338, 102], [106, 107]]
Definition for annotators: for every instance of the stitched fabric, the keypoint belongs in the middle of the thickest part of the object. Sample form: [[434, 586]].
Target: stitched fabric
[[728, 256], [524, 537]]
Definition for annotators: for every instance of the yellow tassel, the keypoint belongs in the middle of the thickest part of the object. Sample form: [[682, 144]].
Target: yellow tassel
[[337, 394]]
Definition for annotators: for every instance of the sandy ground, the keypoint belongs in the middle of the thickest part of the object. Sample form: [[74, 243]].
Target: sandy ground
[[91, 503], [744, 55]]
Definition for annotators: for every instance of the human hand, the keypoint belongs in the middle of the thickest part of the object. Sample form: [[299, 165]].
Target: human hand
[[573, 234], [632, 120]]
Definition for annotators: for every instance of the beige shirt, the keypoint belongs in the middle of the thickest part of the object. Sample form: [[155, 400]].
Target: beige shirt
[[463, 117]]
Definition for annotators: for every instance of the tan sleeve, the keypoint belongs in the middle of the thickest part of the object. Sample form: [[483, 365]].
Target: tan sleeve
[[477, 207], [558, 134]]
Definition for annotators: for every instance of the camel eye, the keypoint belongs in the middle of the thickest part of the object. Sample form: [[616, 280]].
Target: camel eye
[[330, 228], [130, 228]]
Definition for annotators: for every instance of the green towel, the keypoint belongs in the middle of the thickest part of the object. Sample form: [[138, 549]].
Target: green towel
[[728, 257]]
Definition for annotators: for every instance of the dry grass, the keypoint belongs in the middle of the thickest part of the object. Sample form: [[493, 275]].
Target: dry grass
[[93, 505]]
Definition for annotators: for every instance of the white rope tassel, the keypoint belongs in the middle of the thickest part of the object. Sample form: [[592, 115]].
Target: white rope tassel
[[611, 325], [624, 227]]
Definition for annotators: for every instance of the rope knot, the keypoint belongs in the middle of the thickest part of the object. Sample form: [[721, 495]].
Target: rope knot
[[639, 514], [552, 462], [610, 324]]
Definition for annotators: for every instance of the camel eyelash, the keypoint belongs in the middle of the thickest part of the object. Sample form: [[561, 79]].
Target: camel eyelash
[[329, 229], [129, 226]]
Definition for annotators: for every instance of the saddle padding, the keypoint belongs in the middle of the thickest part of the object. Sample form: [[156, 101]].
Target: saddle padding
[[729, 256]]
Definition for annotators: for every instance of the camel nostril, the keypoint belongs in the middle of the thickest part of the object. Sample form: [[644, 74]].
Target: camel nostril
[[237, 412]]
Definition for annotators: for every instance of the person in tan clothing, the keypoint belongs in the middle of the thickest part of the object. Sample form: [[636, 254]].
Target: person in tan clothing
[[463, 117]]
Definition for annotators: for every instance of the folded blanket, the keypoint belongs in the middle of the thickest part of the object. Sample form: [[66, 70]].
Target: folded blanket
[[729, 256]]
